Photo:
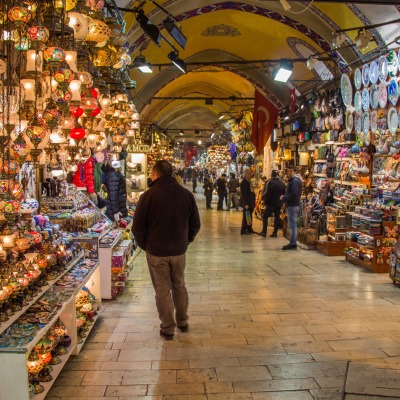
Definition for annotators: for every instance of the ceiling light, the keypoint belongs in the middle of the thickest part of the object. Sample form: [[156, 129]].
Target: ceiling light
[[181, 133], [141, 64], [221, 117], [338, 39], [199, 142], [175, 31], [286, 6], [363, 38], [149, 29], [311, 63], [283, 72], [179, 63], [212, 135]]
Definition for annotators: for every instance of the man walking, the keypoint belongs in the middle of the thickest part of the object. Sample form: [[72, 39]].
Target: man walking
[[221, 190], [272, 199], [233, 186], [248, 202], [195, 175], [166, 221], [292, 200]]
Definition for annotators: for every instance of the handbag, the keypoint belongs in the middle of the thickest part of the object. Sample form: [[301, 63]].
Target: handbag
[[249, 219], [103, 192]]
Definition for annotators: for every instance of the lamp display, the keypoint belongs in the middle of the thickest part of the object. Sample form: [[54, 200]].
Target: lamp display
[[71, 58], [98, 31], [54, 55], [80, 24], [38, 35], [29, 89], [19, 15], [34, 61]]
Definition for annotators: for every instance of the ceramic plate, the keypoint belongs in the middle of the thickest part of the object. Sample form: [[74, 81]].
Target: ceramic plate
[[392, 63], [367, 138], [392, 120], [374, 97], [365, 122], [365, 99], [357, 79], [382, 95], [357, 101], [383, 69], [349, 121], [365, 75], [374, 72], [393, 91], [357, 123], [374, 121], [346, 90]]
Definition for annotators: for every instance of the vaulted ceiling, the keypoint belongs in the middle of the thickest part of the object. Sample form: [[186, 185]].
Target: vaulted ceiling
[[221, 31]]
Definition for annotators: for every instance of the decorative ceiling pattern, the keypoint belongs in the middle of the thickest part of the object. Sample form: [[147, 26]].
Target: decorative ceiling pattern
[[221, 30]]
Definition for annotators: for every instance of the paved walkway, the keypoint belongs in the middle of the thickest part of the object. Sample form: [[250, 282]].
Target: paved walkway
[[264, 324]]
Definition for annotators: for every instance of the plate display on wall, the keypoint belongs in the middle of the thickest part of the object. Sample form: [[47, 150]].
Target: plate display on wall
[[365, 122], [349, 121], [374, 97], [365, 99], [357, 101], [392, 120], [346, 90], [357, 123], [383, 68], [367, 138], [393, 91], [382, 95], [357, 79], [365, 75], [374, 121], [373, 72], [392, 63]]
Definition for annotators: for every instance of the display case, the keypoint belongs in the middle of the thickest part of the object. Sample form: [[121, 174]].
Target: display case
[[136, 172]]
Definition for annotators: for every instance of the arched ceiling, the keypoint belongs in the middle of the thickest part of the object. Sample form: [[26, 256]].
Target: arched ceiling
[[219, 31]]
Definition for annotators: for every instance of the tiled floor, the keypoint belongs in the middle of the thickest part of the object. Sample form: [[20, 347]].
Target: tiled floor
[[264, 324]]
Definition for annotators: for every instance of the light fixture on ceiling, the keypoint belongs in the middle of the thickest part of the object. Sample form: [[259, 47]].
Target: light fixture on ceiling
[[283, 72], [181, 133], [149, 29], [338, 39], [363, 38], [212, 135], [178, 62], [221, 117], [312, 62], [286, 6], [174, 30], [199, 142], [141, 64]]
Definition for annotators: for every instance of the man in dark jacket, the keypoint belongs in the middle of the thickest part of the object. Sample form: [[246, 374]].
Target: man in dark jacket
[[233, 186], [221, 190], [248, 202], [166, 221], [272, 199], [292, 199]]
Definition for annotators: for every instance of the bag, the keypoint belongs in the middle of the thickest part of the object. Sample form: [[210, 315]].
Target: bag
[[103, 193], [249, 220]]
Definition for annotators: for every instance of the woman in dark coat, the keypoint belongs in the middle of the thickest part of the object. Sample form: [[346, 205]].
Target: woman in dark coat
[[208, 189]]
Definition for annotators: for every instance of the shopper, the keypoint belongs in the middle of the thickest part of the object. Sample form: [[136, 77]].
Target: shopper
[[292, 200], [264, 181], [166, 221], [221, 190], [248, 202], [272, 199], [185, 175], [208, 189], [195, 175], [233, 186]]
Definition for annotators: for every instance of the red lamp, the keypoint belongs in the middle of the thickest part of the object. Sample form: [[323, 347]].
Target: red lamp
[[77, 133]]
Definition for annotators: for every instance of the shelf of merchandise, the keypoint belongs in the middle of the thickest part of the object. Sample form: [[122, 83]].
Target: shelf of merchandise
[[320, 175], [13, 373], [349, 183], [79, 346], [136, 158], [320, 161]]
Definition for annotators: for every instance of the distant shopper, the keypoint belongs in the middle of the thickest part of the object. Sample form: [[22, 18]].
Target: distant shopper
[[185, 175], [248, 202], [208, 189], [272, 199], [292, 199], [195, 175], [221, 190], [264, 181], [233, 186], [166, 221]]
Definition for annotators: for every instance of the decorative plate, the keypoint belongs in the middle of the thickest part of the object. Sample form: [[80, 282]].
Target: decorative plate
[[382, 95], [374, 121], [367, 138], [365, 123], [374, 97], [349, 121], [399, 115], [346, 90], [365, 99], [392, 63], [383, 69], [357, 78], [365, 75], [392, 120], [393, 91], [373, 72], [357, 123], [357, 101]]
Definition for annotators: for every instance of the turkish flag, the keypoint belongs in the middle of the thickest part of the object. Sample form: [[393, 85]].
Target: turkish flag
[[264, 117]]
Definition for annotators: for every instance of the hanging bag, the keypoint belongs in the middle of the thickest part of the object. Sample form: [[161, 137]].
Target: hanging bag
[[249, 219]]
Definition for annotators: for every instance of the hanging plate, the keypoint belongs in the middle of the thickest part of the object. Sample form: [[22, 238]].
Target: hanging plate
[[357, 101], [392, 120], [374, 72], [346, 90], [393, 91], [357, 78], [383, 69], [392, 63], [382, 95], [374, 121], [374, 97], [357, 123], [365, 99], [365, 75], [365, 123], [349, 121]]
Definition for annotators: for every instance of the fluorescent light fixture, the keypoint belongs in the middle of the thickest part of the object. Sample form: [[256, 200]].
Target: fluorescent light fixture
[[174, 30], [221, 117], [149, 29], [286, 6], [212, 135], [363, 38], [179, 63], [181, 133], [283, 72], [142, 65]]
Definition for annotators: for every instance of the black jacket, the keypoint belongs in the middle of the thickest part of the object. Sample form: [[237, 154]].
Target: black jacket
[[166, 219], [275, 189], [247, 196], [293, 192], [116, 188], [220, 185]]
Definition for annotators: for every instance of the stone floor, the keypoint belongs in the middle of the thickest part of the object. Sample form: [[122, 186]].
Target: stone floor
[[264, 324]]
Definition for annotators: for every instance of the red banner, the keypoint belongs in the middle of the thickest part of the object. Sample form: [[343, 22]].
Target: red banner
[[264, 119]]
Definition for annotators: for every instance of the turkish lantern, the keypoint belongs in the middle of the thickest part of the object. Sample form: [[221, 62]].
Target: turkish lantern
[[77, 133]]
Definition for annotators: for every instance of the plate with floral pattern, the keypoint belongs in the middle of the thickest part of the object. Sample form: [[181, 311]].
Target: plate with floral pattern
[[374, 97], [383, 68], [383, 95], [392, 63], [365, 75], [357, 79], [373, 72], [349, 121], [357, 101], [365, 122], [392, 120], [393, 91], [346, 90], [374, 121], [365, 99], [357, 123]]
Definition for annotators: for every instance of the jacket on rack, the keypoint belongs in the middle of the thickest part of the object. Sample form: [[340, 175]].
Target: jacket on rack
[[116, 188], [79, 177], [89, 174], [275, 189]]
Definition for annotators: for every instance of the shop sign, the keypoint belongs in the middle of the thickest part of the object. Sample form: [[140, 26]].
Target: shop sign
[[140, 148]]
